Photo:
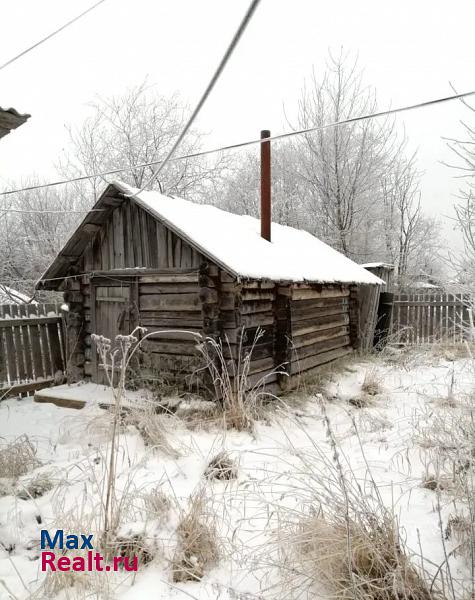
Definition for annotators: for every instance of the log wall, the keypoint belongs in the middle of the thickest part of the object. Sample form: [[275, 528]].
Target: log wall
[[179, 296], [320, 326]]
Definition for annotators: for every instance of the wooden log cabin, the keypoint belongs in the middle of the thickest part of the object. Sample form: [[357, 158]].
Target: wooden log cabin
[[181, 269]]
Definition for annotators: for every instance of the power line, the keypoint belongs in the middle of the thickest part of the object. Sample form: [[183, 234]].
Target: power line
[[227, 55], [49, 36], [50, 212], [239, 145]]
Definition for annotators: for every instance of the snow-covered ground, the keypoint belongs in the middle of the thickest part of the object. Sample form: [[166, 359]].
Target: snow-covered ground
[[384, 435]]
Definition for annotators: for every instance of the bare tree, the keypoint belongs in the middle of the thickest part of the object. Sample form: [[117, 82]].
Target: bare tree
[[34, 225], [344, 165], [464, 150], [138, 128], [403, 217], [241, 193]]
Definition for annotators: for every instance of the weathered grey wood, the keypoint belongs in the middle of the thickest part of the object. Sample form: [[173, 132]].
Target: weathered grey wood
[[24, 388], [170, 276], [425, 318], [172, 347], [171, 319], [226, 277], [319, 336], [319, 324], [319, 359], [250, 295], [260, 285], [256, 307], [168, 288], [306, 294], [324, 311], [28, 321], [257, 319], [30, 347], [320, 346], [170, 302]]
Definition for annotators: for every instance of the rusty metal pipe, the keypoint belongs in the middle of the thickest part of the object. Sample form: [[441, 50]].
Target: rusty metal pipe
[[266, 210]]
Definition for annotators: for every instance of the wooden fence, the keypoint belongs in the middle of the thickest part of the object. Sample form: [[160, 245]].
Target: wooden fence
[[31, 347], [426, 318]]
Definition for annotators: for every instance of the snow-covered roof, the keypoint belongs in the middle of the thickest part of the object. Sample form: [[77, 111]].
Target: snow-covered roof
[[10, 296], [375, 265], [235, 242], [425, 285], [231, 241]]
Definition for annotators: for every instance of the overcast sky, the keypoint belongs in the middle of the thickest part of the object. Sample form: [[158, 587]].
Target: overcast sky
[[409, 50]]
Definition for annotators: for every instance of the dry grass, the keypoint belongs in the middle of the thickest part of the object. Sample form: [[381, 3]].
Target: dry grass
[[153, 427], [372, 383], [197, 545], [133, 547], [436, 483], [157, 505], [359, 559], [35, 488], [17, 458], [240, 398], [447, 437], [74, 585], [197, 413], [361, 401], [6, 488], [461, 528], [343, 542], [222, 466]]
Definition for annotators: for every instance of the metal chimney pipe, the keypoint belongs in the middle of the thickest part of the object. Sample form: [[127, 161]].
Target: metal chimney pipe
[[266, 210]]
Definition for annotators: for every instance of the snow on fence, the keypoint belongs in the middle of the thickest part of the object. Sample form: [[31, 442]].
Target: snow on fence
[[31, 347], [426, 318]]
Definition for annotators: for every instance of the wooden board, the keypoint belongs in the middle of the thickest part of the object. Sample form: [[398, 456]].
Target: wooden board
[[31, 347]]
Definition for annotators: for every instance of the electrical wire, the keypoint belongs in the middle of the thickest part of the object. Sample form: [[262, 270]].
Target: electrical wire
[[50, 212], [227, 55], [239, 145], [49, 36]]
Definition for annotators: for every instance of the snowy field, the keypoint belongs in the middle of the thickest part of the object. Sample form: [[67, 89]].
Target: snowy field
[[371, 417]]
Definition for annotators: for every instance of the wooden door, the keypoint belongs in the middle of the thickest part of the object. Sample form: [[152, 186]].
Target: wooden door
[[112, 316]]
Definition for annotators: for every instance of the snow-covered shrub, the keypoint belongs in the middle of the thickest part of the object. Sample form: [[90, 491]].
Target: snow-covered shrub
[[197, 544], [17, 458]]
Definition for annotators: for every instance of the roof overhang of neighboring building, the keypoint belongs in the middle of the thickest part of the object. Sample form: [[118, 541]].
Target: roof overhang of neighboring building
[[10, 119], [377, 265]]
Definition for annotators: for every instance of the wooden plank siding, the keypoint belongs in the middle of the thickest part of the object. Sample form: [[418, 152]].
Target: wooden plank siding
[[132, 238], [134, 250], [421, 318], [32, 352]]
